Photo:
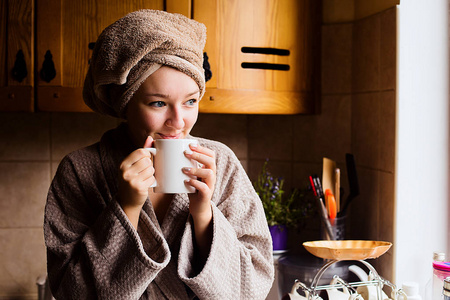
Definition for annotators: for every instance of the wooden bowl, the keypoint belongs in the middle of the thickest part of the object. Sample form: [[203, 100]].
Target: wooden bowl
[[347, 249]]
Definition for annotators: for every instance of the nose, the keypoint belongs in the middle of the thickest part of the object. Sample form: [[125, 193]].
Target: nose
[[175, 119]]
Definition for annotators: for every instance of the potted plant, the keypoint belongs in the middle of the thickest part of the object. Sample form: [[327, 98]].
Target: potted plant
[[282, 212]]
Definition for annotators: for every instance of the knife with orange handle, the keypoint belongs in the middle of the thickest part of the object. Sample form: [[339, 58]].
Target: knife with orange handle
[[330, 204]]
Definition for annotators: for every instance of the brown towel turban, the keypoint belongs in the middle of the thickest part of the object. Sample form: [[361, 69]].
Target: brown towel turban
[[135, 46]]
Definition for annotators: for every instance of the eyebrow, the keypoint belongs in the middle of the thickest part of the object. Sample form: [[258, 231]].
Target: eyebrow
[[165, 96]]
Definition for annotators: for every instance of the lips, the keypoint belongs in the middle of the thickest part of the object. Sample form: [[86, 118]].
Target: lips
[[170, 136]]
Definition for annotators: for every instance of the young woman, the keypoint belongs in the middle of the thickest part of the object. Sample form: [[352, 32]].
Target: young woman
[[108, 235]]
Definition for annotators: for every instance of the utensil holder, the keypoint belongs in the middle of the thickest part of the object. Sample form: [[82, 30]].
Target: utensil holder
[[337, 229]]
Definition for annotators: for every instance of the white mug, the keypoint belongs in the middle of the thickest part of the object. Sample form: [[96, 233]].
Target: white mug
[[369, 292], [335, 294], [169, 160], [294, 295]]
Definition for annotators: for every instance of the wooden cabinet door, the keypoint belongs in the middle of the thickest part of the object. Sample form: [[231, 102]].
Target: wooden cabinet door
[[65, 31], [16, 55], [264, 55]]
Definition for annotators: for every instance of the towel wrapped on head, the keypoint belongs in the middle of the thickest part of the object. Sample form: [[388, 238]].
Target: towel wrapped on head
[[135, 46]]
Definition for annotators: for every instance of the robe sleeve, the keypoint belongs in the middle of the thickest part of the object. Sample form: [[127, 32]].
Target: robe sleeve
[[240, 262], [93, 251]]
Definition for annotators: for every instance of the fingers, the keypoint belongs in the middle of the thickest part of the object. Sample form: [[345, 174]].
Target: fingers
[[134, 157], [136, 176], [203, 155], [202, 187], [148, 142], [138, 166], [206, 175]]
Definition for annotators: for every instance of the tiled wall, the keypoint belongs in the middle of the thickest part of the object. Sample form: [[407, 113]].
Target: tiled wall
[[357, 115], [359, 62], [373, 129]]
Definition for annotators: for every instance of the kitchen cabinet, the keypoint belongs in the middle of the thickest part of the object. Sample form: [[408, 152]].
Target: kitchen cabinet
[[17, 56], [66, 31], [264, 55]]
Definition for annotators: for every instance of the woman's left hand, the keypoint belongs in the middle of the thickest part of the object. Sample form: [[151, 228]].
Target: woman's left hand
[[200, 202]]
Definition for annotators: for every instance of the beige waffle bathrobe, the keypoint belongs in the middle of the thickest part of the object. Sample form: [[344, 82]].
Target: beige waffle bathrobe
[[95, 253]]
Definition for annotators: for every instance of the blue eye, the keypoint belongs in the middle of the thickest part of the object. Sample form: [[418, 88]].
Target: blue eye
[[157, 104], [191, 102]]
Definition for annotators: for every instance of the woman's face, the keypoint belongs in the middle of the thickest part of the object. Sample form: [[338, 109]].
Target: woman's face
[[164, 107]]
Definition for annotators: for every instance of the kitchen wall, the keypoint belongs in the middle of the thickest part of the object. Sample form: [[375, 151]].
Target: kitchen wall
[[357, 115], [373, 130]]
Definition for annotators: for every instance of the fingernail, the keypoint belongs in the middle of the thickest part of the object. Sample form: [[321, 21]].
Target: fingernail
[[188, 151], [187, 169], [193, 145]]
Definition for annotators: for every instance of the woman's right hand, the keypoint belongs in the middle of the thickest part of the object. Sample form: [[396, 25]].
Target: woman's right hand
[[136, 175]]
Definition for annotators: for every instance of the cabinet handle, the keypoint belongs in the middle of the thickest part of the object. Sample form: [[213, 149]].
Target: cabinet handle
[[265, 66], [206, 67], [48, 71], [19, 71], [266, 50]]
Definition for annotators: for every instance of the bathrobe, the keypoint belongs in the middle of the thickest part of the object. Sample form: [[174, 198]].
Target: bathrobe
[[94, 252]]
